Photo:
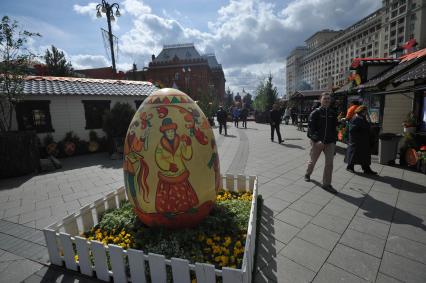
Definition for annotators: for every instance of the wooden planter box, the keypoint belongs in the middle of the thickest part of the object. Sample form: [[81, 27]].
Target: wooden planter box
[[62, 239]]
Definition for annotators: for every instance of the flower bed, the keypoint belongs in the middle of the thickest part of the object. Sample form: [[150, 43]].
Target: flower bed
[[112, 243]]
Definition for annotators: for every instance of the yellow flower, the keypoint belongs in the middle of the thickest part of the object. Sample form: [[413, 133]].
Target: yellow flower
[[238, 244], [217, 258], [209, 242], [76, 258]]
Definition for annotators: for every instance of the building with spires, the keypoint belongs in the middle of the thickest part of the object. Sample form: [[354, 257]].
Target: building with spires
[[182, 67]]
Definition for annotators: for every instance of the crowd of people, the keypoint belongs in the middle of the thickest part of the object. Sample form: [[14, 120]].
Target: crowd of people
[[323, 122]]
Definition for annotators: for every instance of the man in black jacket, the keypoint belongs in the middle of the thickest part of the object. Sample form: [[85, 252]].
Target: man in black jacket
[[275, 122], [222, 116], [322, 130]]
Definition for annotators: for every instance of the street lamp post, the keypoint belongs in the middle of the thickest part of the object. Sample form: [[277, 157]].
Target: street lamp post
[[107, 8]]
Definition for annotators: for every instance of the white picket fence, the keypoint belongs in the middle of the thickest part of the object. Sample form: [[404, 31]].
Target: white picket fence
[[62, 239]]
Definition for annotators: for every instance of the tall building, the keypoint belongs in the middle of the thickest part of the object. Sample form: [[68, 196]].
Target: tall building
[[181, 66], [325, 60]]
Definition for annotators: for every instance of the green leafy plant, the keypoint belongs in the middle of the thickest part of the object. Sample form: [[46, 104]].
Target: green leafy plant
[[14, 61], [117, 120], [266, 95]]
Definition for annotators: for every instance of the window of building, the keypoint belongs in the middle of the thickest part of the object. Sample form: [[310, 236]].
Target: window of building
[[34, 115], [369, 54], [400, 39], [401, 21], [401, 30], [393, 24], [392, 42], [402, 9], [394, 14], [395, 5], [393, 33], [94, 111], [386, 46]]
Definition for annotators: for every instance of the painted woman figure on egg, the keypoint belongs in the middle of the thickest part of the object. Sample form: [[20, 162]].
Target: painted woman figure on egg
[[174, 192]]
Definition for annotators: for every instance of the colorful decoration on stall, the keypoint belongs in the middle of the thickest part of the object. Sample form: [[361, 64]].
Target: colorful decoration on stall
[[355, 78], [171, 165]]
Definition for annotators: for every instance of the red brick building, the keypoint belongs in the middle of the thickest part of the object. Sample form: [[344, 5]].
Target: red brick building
[[181, 66]]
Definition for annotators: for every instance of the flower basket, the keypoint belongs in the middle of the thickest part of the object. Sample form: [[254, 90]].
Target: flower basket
[[113, 262]]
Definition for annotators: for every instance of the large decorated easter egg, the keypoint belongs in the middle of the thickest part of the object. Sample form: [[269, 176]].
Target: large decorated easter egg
[[171, 165]]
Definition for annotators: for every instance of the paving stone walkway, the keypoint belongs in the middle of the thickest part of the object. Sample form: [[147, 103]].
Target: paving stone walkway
[[374, 230]]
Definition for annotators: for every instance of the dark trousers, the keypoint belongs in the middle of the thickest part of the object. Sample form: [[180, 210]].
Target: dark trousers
[[275, 127], [236, 122], [220, 128], [244, 123]]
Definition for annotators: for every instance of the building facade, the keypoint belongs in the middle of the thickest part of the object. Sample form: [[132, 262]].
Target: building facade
[[326, 58], [181, 66], [57, 105]]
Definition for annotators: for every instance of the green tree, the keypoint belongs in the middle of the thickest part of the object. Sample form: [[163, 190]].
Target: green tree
[[247, 100], [208, 102], [56, 63], [14, 61], [266, 95], [117, 120]]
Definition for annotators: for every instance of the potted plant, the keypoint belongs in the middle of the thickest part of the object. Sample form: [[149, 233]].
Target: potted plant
[[93, 142], [410, 123], [70, 143], [50, 145]]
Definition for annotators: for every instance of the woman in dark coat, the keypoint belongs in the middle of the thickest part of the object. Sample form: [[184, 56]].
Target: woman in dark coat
[[358, 151]]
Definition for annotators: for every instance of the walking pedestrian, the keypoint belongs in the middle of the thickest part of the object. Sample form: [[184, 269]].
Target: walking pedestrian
[[236, 116], [222, 115], [287, 115], [275, 117], [322, 131], [358, 151], [293, 114], [243, 116]]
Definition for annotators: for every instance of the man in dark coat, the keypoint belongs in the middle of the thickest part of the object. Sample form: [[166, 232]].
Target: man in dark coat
[[322, 130], [243, 116], [222, 116], [358, 151], [275, 116]]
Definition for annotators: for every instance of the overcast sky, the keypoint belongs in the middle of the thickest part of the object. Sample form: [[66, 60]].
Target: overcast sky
[[250, 38]]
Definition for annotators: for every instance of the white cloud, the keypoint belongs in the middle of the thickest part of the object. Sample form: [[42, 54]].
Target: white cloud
[[86, 61], [250, 37], [136, 8], [89, 9]]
